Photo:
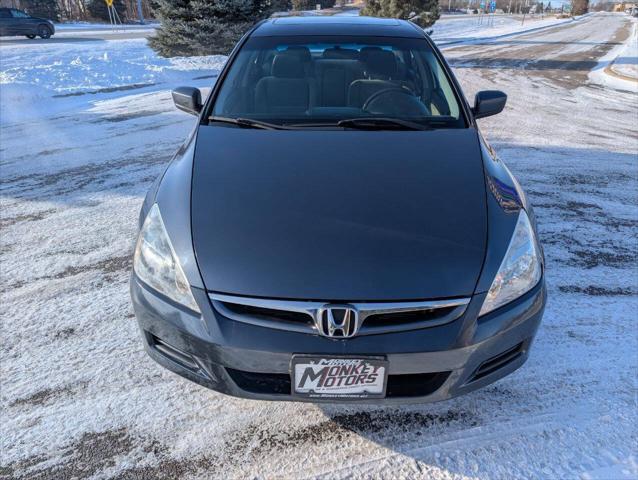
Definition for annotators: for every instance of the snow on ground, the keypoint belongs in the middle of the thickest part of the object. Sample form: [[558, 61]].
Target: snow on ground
[[80, 399], [31, 75], [70, 68]]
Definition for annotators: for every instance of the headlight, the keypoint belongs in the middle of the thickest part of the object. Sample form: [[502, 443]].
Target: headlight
[[520, 270], [155, 262]]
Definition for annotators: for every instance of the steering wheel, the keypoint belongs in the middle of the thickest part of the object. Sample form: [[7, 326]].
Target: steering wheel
[[395, 101]]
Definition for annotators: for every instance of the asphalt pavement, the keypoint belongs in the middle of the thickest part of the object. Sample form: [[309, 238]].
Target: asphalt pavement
[[85, 34]]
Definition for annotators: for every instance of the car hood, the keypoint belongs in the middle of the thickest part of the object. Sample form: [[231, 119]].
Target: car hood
[[339, 215]]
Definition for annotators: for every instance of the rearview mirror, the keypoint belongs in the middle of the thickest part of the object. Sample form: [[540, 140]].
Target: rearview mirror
[[188, 99], [488, 102]]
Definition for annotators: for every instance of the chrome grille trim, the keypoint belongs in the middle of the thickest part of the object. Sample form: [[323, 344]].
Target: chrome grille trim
[[311, 309]]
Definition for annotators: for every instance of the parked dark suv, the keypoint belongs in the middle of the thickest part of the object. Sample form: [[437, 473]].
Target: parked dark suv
[[336, 228], [17, 23]]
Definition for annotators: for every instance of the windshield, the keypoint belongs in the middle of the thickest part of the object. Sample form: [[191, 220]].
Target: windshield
[[308, 81]]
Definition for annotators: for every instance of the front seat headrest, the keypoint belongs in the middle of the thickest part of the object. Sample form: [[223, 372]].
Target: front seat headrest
[[287, 66], [301, 52], [379, 62]]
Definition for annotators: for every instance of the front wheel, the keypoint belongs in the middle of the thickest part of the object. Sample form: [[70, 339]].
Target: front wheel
[[31, 36], [44, 32]]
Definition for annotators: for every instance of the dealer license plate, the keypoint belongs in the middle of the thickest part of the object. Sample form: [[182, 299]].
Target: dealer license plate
[[339, 377]]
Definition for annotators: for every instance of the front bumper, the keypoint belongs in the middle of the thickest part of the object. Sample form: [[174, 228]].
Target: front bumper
[[425, 365]]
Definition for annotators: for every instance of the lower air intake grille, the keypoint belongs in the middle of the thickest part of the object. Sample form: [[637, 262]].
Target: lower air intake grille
[[265, 383], [415, 385], [176, 355], [498, 362], [411, 385]]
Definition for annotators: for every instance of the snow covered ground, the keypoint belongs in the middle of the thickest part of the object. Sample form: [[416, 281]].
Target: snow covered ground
[[53, 77], [86, 127]]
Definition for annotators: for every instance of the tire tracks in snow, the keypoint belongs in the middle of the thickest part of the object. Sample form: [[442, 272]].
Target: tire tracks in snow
[[471, 438]]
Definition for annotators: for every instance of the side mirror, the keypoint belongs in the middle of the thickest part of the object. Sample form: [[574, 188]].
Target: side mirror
[[488, 103], [188, 99]]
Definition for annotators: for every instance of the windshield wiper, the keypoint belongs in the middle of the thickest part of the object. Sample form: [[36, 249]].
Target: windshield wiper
[[248, 123], [377, 123], [361, 123]]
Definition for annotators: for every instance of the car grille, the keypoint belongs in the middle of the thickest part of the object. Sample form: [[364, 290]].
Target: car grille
[[375, 317], [284, 319], [408, 385]]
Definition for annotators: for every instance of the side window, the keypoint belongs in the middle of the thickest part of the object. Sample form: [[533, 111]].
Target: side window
[[19, 14], [5, 13]]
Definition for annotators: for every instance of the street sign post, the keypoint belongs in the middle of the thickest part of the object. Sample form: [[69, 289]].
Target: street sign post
[[140, 13], [493, 10], [114, 18]]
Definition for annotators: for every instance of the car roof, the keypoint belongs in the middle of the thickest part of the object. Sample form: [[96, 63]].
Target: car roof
[[346, 25]]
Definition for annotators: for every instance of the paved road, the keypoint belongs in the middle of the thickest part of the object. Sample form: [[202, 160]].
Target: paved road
[[565, 55], [81, 400], [78, 34]]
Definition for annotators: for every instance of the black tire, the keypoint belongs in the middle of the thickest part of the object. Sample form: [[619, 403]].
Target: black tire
[[31, 36], [44, 32]]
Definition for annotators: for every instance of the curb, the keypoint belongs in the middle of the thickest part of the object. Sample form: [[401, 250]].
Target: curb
[[610, 71]]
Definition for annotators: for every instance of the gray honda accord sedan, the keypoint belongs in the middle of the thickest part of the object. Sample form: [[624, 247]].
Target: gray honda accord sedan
[[336, 228]]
